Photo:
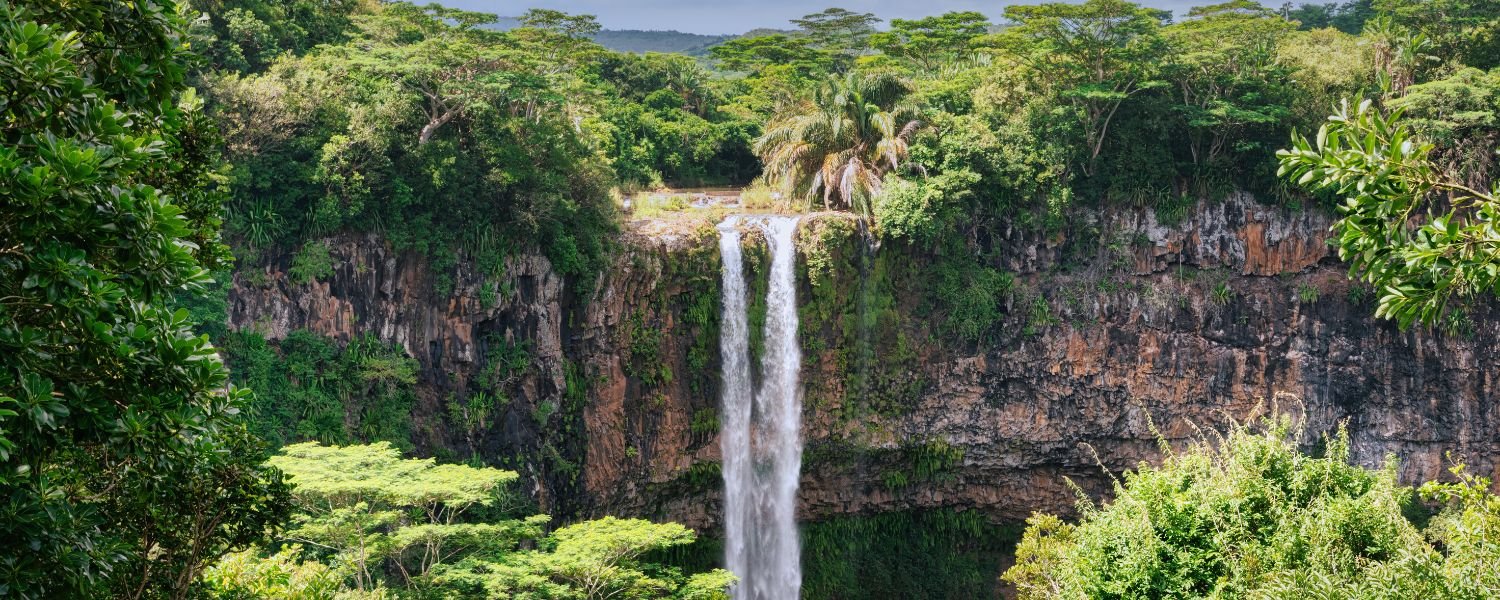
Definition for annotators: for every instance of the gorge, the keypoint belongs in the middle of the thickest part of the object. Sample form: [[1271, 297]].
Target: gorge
[[372, 300], [1102, 332]]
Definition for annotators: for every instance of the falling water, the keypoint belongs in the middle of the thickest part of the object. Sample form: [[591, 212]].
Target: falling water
[[762, 444], [734, 420]]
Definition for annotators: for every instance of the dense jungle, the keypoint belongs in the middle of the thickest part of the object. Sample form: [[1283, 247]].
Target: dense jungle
[[366, 299]]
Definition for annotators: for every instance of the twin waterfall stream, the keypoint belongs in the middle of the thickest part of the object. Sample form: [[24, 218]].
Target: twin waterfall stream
[[762, 441]]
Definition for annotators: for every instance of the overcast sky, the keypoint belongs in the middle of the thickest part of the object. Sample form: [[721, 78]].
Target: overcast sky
[[739, 16]]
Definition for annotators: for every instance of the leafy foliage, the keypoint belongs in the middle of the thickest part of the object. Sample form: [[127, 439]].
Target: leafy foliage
[[842, 143], [311, 263], [310, 388], [1093, 56], [1251, 516], [125, 468], [932, 42], [369, 506], [246, 574], [1419, 263], [593, 559], [429, 127], [372, 522]]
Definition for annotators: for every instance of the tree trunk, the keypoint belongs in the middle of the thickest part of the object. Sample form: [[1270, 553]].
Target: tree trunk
[[432, 126]]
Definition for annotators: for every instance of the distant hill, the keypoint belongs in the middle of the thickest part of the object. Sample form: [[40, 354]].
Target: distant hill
[[639, 41], [764, 31]]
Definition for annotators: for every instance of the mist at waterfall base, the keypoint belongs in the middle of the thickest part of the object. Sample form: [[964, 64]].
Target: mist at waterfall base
[[761, 428]]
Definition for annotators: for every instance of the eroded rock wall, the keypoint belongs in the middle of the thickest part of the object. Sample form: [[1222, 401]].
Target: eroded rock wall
[[1131, 322]]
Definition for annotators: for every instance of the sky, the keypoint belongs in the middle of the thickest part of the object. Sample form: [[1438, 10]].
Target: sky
[[739, 16]]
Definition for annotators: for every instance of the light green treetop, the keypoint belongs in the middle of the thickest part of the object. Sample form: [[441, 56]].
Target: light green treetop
[[929, 42], [588, 560], [378, 473], [370, 505]]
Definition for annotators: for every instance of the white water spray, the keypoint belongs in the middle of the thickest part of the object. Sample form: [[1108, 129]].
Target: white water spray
[[762, 441]]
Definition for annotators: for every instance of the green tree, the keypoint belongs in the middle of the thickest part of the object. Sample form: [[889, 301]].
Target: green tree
[[840, 144], [125, 467], [587, 561], [246, 35], [1228, 79], [1460, 115], [930, 42], [1251, 516], [370, 507], [443, 57], [1093, 56], [1463, 31], [1426, 242], [1348, 17], [842, 33], [380, 523], [755, 55], [452, 139]]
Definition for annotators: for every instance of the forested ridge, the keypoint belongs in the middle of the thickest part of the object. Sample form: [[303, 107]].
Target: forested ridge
[[154, 151]]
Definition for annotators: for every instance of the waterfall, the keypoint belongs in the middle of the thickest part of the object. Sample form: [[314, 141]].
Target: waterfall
[[734, 415], [761, 432]]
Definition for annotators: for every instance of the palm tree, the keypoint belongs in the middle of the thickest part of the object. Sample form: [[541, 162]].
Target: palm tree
[[841, 143]]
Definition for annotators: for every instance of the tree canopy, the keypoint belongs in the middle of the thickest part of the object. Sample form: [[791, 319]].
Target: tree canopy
[[371, 522]]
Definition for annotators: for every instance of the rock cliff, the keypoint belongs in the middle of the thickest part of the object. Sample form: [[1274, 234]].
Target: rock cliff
[[1129, 323]]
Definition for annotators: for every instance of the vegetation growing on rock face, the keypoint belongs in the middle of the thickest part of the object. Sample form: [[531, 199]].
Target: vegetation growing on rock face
[[310, 388], [1249, 515]]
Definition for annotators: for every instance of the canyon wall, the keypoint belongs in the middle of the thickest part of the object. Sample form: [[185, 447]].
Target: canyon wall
[[1128, 327]]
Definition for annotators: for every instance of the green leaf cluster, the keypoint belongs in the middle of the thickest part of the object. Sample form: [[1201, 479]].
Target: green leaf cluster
[[308, 387], [1426, 242], [1249, 515], [124, 466]]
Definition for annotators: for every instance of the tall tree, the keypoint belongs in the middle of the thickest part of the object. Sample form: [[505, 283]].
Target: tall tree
[[1227, 77], [842, 33], [840, 144], [443, 55], [123, 466], [930, 42], [756, 54], [1094, 56]]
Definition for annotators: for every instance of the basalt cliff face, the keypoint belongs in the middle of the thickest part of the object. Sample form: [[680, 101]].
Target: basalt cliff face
[[1236, 308]]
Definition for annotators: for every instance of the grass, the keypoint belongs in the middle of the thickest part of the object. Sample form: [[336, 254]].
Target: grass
[[676, 206]]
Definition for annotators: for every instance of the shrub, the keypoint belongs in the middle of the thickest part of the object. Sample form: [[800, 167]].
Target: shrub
[[1250, 516], [312, 263], [1307, 293]]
